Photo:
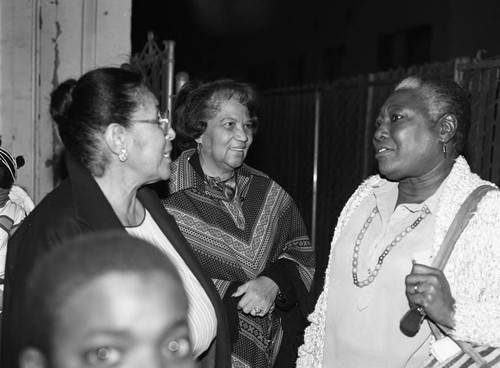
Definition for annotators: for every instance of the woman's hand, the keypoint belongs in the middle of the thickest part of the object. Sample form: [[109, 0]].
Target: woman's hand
[[427, 287], [258, 296]]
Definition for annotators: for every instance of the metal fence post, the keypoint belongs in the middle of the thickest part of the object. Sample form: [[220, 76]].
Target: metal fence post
[[317, 109], [368, 122], [168, 76]]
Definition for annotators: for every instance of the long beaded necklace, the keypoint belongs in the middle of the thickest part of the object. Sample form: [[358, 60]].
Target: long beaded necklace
[[425, 211]]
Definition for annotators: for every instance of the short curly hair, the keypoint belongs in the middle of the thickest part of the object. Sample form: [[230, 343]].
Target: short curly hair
[[197, 102], [442, 96], [76, 263]]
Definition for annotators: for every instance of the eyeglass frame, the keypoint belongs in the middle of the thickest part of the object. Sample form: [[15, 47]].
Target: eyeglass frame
[[162, 121]]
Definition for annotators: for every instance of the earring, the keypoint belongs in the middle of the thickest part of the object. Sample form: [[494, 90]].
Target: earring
[[444, 148], [123, 155]]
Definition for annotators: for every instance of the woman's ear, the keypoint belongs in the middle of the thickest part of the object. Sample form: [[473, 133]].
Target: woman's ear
[[32, 358], [448, 127], [115, 137]]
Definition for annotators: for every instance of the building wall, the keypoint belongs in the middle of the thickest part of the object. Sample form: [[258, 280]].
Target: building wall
[[42, 43]]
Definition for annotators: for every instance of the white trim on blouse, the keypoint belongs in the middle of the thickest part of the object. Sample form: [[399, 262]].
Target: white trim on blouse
[[201, 315]]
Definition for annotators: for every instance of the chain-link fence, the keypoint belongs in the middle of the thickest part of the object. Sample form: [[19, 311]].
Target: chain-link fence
[[482, 79]]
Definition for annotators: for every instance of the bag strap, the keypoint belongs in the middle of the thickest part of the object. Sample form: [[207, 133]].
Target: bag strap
[[460, 222]]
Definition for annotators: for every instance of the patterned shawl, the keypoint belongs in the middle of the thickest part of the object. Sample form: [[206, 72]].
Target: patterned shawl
[[236, 241]]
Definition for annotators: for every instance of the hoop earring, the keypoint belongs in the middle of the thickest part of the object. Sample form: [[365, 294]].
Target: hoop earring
[[123, 155], [444, 148]]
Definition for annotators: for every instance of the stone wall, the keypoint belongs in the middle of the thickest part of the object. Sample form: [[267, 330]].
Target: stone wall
[[42, 43]]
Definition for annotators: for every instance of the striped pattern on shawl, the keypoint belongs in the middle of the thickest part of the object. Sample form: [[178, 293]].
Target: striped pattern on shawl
[[233, 253]]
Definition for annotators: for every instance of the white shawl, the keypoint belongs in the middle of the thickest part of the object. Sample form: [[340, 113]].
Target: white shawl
[[473, 270]]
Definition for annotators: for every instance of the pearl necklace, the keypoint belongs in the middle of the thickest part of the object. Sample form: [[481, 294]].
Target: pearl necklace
[[425, 211]]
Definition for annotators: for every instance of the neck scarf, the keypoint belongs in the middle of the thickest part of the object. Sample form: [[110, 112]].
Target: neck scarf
[[228, 187]]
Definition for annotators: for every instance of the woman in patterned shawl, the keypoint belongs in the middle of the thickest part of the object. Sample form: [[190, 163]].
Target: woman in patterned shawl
[[244, 228]]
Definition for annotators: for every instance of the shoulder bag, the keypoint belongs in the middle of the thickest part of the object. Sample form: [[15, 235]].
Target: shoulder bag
[[467, 354]]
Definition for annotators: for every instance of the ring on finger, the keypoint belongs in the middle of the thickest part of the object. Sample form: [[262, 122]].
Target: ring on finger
[[257, 310], [415, 287]]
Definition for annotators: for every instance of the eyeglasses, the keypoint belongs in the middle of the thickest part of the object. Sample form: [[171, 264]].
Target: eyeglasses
[[161, 120]]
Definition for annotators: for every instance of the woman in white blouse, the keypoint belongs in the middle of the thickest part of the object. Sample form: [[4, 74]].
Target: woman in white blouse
[[391, 229], [116, 140]]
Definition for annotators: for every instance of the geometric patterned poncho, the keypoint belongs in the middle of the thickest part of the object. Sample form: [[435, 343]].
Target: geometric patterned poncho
[[259, 233]]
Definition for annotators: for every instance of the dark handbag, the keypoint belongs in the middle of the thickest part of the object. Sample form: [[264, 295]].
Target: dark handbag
[[470, 355]]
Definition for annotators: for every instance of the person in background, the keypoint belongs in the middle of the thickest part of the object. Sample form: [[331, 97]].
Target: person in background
[[116, 140], [11, 212], [243, 227], [21, 197], [105, 299], [391, 229]]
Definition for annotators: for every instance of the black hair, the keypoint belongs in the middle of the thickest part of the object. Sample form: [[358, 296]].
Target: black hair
[[197, 102], [8, 167], [443, 96], [83, 110], [76, 263], [6, 179]]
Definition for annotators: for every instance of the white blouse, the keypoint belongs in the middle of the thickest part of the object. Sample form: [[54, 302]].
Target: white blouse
[[362, 324], [201, 315]]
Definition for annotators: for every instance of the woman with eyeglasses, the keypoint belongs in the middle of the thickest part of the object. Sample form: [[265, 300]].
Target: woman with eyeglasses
[[116, 141]]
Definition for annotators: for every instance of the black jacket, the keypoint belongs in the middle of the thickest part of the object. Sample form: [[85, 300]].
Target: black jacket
[[75, 207]]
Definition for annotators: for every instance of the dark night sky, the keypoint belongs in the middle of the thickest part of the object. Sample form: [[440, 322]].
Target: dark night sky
[[207, 38], [239, 38], [294, 42]]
